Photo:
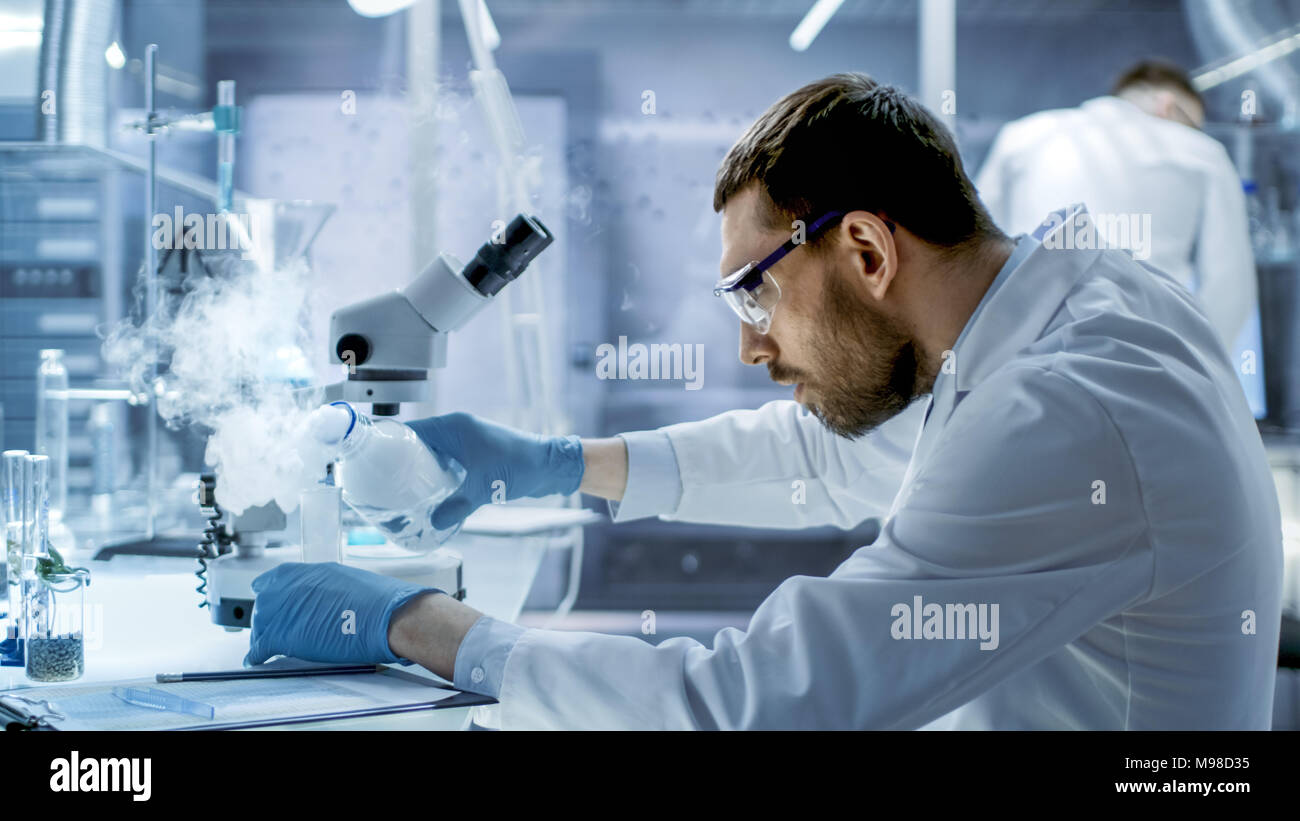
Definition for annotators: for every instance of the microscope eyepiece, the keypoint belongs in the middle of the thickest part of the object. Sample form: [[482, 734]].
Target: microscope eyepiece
[[497, 264]]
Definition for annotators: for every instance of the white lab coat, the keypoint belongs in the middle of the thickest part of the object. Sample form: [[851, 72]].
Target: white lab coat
[[1122, 611], [1117, 159]]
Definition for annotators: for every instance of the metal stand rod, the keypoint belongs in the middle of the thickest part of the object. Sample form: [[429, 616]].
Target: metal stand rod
[[151, 290]]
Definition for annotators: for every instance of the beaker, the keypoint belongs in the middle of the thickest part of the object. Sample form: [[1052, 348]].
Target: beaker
[[55, 605], [53, 594]]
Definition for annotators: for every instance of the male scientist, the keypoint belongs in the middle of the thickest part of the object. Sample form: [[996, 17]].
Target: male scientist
[[1079, 525], [1154, 182]]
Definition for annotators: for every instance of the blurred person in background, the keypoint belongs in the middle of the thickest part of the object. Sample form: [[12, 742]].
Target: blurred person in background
[[1137, 151]]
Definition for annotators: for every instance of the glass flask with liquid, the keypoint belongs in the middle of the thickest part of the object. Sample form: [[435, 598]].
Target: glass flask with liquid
[[387, 475]]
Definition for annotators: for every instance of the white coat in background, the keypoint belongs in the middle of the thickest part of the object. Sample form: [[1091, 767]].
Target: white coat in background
[[1090, 468], [1118, 160]]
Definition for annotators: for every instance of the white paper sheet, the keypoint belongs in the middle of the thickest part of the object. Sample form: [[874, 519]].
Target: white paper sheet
[[94, 707]]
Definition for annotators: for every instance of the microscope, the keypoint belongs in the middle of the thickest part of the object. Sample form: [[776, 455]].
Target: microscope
[[389, 344]]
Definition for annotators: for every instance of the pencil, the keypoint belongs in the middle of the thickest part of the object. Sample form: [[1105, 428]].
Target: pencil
[[280, 672]]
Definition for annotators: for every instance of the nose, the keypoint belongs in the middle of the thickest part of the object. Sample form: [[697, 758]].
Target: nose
[[755, 348]]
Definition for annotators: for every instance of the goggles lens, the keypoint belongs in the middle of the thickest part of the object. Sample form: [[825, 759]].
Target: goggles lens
[[754, 304]]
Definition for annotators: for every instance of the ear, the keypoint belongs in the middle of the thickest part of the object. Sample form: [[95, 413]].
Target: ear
[[870, 240], [1164, 103]]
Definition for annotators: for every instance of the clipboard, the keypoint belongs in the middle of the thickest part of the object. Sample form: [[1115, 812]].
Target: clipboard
[[82, 707]]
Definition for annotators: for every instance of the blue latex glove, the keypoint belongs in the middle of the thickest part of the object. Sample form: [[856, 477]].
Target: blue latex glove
[[527, 463], [301, 610]]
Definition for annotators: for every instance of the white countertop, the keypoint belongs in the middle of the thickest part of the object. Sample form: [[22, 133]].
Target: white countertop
[[143, 618]]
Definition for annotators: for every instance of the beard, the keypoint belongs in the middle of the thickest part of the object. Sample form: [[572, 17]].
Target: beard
[[869, 367]]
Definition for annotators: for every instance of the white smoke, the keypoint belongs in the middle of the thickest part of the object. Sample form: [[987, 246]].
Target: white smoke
[[228, 346], [233, 347]]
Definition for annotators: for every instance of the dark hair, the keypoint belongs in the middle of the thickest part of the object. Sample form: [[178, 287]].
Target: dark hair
[[847, 142], [1157, 72]]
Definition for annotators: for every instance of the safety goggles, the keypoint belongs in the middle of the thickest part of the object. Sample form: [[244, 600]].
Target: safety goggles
[[752, 292]]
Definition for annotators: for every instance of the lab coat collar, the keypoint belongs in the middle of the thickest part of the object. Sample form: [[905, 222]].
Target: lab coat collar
[[1109, 104], [1013, 312], [1022, 298]]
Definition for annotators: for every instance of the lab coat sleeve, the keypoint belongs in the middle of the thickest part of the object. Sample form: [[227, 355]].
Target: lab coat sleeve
[[1006, 515], [481, 658], [1225, 266], [779, 467], [654, 484]]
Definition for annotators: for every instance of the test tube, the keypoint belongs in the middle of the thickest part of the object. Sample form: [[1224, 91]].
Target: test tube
[[36, 505], [11, 479], [225, 119], [320, 514], [52, 424], [11, 493], [34, 496], [102, 459], [13, 463]]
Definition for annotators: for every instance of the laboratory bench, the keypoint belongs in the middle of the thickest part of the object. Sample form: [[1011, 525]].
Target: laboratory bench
[[143, 617]]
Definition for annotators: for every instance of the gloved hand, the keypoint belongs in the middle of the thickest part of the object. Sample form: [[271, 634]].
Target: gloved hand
[[326, 612], [527, 464]]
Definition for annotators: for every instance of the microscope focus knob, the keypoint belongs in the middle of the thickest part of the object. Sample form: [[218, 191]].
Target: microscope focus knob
[[352, 349]]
